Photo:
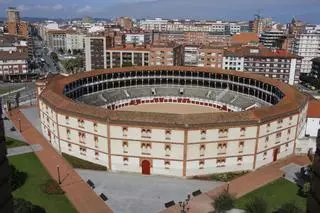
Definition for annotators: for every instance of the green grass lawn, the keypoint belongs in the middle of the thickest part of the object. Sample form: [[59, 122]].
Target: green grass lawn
[[12, 143], [275, 194], [31, 191]]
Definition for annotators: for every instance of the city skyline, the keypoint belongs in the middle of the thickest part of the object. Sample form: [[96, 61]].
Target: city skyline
[[210, 9]]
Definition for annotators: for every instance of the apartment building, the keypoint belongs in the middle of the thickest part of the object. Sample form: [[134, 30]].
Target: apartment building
[[278, 64], [315, 72], [57, 39], [74, 41], [167, 55], [137, 38], [307, 46], [127, 57], [203, 56], [273, 39], [15, 25]]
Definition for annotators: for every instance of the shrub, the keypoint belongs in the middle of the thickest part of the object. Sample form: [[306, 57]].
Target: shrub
[[225, 177], [223, 202], [17, 178], [257, 204], [24, 206], [51, 187], [289, 207]]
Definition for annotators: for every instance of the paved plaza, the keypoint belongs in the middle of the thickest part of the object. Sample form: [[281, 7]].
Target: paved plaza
[[134, 193], [24, 149]]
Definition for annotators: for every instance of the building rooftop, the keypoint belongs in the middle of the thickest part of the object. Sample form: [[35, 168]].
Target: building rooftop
[[15, 55], [245, 38], [314, 109], [258, 51]]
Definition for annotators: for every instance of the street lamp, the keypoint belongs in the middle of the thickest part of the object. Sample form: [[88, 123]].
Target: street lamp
[[19, 124], [58, 170]]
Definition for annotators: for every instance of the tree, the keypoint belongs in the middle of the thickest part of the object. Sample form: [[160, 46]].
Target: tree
[[223, 202], [54, 56], [24, 206], [257, 204], [74, 64], [17, 178], [289, 207], [61, 51]]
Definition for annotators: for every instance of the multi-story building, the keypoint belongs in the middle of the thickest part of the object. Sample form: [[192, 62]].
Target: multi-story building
[[13, 64], [278, 64], [6, 204], [15, 26], [74, 41], [273, 39], [315, 71], [125, 22], [101, 53], [203, 56], [308, 47], [57, 40], [127, 56], [157, 24], [137, 38], [44, 28], [167, 55]]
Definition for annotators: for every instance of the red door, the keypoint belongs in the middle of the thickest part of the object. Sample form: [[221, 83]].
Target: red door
[[275, 154], [145, 167]]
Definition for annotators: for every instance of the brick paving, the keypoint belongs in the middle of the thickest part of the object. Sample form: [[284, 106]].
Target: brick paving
[[83, 198], [242, 185]]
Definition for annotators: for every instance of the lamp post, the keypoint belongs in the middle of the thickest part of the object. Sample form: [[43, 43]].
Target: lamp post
[[58, 170], [19, 125]]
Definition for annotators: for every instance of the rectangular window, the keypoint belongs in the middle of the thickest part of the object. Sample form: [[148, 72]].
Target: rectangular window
[[96, 141], [168, 134]]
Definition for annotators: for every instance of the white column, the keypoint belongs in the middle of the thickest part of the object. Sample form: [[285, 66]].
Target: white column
[[292, 71]]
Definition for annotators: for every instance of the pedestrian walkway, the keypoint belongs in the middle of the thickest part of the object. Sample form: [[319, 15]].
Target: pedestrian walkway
[[79, 193], [242, 185], [24, 149]]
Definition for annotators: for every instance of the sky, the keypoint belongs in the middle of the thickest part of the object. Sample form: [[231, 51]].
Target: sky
[[279, 10]]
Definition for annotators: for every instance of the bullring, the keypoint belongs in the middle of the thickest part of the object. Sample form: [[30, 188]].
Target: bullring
[[256, 119]]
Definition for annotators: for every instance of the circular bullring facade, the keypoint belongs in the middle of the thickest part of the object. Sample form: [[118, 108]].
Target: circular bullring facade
[[179, 121]]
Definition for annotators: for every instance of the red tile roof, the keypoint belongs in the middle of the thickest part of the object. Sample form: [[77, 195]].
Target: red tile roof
[[246, 51], [245, 38], [314, 109]]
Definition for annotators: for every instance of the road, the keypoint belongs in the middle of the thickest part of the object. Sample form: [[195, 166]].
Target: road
[[43, 52]]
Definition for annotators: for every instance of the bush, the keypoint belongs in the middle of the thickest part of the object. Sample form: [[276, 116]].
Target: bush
[[23, 206], [225, 177], [289, 207], [51, 187], [257, 204], [223, 202], [17, 178]]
